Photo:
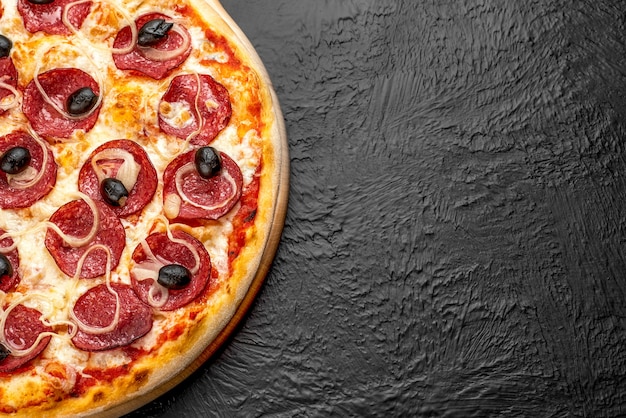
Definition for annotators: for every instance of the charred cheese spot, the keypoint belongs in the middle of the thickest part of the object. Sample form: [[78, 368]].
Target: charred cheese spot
[[98, 397], [141, 377]]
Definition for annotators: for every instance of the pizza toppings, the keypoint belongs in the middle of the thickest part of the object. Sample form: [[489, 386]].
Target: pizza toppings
[[23, 335], [153, 31], [172, 269], [15, 160], [113, 192], [195, 107], [158, 46], [174, 276], [187, 195], [8, 77], [208, 162], [110, 316], [47, 15], [5, 46], [120, 174], [46, 100], [85, 238], [81, 101], [6, 270], [4, 352], [31, 181], [9, 263]]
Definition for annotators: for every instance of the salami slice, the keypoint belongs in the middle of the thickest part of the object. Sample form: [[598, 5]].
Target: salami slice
[[186, 110], [8, 75], [49, 17], [109, 163], [8, 283], [146, 60], [169, 252], [59, 84], [76, 219], [22, 328], [96, 308], [188, 196], [24, 189]]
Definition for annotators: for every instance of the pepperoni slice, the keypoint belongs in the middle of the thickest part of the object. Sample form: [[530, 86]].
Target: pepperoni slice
[[170, 252], [142, 191], [8, 75], [22, 328], [200, 198], [8, 283], [76, 220], [16, 191], [181, 103], [59, 84], [96, 308], [137, 59], [49, 17]]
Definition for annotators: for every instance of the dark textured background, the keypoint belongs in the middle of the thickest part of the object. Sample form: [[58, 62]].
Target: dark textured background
[[455, 239]]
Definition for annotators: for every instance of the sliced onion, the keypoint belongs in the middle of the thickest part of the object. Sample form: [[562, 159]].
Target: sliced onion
[[155, 54], [171, 205], [189, 168], [18, 351], [190, 247], [65, 19], [6, 250], [80, 241], [116, 316], [15, 101], [149, 270], [127, 172], [134, 34], [81, 260]]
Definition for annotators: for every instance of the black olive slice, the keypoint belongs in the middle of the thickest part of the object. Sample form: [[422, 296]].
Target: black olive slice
[[113, 192], [81, 101], [40, 1], [208, 162], [5, 46], [4, 352], [174, 276], [15, 160], [6, 269], [153, 31]]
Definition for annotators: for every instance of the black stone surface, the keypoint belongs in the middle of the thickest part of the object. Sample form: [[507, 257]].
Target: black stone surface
[[456, 234]]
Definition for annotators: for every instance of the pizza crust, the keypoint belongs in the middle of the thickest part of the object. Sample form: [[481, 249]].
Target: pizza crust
[[175, 360]]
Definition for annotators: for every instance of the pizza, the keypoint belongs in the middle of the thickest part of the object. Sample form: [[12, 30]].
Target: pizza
[[143, 182]]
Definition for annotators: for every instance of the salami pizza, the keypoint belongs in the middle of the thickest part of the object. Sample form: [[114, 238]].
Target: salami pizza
[[143, 185]]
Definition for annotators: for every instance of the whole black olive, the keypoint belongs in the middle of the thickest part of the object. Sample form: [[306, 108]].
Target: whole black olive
[[6, 269], [40, 1], [208, 162], [15, 160], [153, 31], [174, 276], [4, 352], [5, 46], [113, 192], [81, 101]]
